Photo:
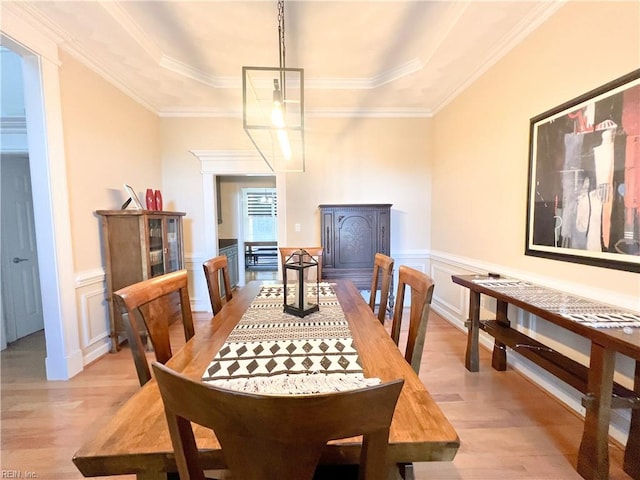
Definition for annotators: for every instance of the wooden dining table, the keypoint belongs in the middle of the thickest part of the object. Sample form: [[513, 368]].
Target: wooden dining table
[[136, 439]]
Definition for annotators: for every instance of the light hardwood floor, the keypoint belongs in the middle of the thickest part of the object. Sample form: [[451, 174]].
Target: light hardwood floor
[[508, 427]]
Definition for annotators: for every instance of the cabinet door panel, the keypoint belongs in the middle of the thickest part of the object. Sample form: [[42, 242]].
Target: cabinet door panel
[[355, 239], [174, 242], [156, 246]]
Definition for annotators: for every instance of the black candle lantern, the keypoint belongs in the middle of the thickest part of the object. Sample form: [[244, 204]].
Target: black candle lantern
[[297, 282]]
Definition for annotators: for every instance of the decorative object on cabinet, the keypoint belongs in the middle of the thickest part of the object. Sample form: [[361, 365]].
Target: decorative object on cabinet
[[151, 199], [158, 197], [351, 236], [132, 198], [298, 282], [138, 245]]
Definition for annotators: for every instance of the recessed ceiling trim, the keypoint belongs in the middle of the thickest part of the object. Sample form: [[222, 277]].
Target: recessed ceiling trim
[[388, 76], [17, 16], [65, 42], [87, 60], [365, 83], [536, 18], [181, 68], [368, 113], [197, 112], [134, 30], [454, 13]]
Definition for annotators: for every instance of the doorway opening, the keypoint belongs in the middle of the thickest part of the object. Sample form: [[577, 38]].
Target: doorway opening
[[260, 232], [21, 299]]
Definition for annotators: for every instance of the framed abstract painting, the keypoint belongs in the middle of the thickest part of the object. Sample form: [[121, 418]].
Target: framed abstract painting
[[583, 200]]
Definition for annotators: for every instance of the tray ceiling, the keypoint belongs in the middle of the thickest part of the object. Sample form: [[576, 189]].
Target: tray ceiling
[[379, 58]]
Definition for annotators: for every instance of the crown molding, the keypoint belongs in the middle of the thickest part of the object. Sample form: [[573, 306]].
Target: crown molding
[[50, 30], [36, 19], [182, 69], [26, 32], [134, 30], [368, 113], [204, 112], [536, 18]]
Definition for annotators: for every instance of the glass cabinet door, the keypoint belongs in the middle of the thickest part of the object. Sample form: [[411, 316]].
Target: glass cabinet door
[[174, 262], [156, 247]]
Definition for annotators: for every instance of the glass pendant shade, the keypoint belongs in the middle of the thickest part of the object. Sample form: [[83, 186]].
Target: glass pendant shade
[[273, 115]]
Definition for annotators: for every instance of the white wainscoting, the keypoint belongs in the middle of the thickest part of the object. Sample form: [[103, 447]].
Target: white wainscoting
[[93, 309], [93, 315], [451, 301], [198, 291]]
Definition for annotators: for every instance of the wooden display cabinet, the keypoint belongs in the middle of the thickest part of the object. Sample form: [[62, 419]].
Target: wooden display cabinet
[[138, 245]]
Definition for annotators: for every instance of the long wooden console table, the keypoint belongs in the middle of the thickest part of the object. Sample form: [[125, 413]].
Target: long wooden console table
[[609, 329]]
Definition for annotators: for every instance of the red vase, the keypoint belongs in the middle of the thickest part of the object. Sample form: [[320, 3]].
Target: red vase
[[158, 196], [151, 199]]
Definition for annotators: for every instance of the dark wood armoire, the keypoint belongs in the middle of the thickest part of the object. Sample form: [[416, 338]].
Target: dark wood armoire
[[351, 236]]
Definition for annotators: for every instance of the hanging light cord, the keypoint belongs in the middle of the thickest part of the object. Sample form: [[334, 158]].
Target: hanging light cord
[[281, 46]]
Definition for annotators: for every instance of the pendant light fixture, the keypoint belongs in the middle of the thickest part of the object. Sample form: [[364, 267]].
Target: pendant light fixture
[[273, 109]]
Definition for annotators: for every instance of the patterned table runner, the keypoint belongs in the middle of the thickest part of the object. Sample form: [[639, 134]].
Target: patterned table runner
[[581, 310], [270, 351]]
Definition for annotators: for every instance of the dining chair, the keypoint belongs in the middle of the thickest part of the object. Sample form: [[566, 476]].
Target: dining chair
[[421, 286], [154, 303], [214, 268], [382, 274], [272, 437], [315, 252]]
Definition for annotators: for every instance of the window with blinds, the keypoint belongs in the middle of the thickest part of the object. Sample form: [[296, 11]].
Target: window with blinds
[[260, 214], [261, 203]]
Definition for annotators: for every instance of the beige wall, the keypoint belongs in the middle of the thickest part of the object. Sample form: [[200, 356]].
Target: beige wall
[[348, 161], [482, 138], [365, 160], [181, 170], [109, 140]]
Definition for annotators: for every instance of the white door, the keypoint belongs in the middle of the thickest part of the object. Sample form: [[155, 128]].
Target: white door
[[20, 279]]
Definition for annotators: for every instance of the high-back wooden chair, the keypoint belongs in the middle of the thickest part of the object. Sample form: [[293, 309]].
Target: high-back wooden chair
[[214, 268], [421, 286], [152, 302], [270, 437], [315, 252], [382, 274]]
